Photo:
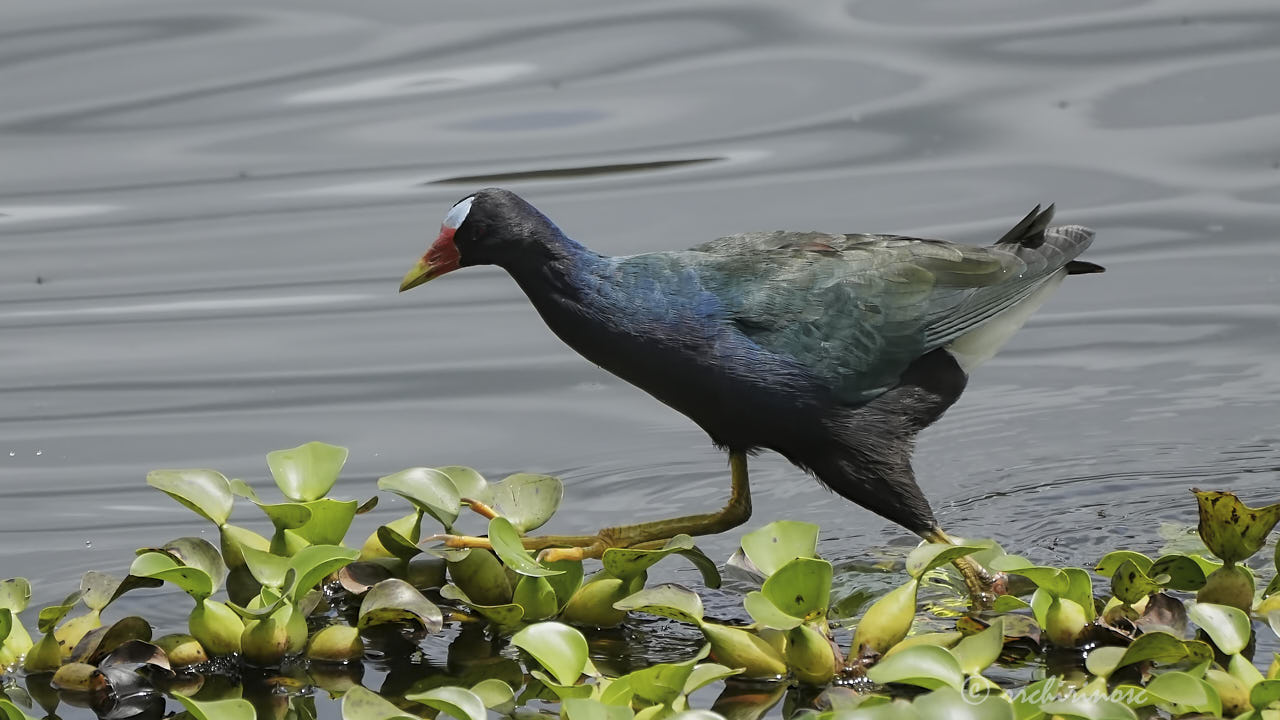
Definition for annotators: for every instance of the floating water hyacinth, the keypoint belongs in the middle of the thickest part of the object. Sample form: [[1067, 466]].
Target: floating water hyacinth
[[306, 602]]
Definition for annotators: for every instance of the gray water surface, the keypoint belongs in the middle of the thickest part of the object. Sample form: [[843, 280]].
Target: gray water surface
[[205, 210]]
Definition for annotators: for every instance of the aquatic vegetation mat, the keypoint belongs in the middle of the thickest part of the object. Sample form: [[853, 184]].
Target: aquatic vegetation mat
[[274, 620]]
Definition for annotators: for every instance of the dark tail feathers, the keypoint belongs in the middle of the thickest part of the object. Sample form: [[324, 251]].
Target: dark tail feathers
[[1081, 267], [1029, 232]]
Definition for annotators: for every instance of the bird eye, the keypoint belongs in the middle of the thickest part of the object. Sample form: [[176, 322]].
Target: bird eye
[[458, 214]]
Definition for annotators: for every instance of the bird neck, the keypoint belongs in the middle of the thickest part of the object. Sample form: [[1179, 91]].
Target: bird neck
[[554, 267]]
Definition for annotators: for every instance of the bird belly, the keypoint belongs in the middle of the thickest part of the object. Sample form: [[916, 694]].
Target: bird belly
[[742, 409], [742, 403], [981, 344]]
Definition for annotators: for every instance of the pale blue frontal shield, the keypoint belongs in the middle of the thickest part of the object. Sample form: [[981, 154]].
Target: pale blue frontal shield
[[458, 214]]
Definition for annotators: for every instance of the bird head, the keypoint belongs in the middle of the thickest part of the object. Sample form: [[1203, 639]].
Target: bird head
[[480, 229]]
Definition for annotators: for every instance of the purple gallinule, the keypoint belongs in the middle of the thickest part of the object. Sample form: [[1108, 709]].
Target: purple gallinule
[[832, 350]]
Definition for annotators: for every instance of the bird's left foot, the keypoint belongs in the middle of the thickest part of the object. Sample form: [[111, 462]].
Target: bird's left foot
[[551, 548], [984, 586], [642, 536]]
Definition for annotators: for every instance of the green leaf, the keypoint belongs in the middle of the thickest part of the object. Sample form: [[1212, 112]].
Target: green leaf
[[431, 491], [705, 565], [1112, 561], [1009, 603], [930, 555], [1160, 648], [536, 596], [1080, 589], [592, 709], [668, 600], [51, 615], [1130, 584], [161, 566], [15, 593], [398, 545], [97, 589], [888, 621], [1232, 530], [1228, 627], [951, 704], [765, 613], [453, 701], [1103, 661], [395, 600], [496, 694], [286, 516], [242, 489], [361, 704], [662, 683], [98, 642], [469, 483], [1037, 699], [780, 542], [527, 500], [267, 568], [1265, 693], [504, 615], [481, 575], [506, 543], [206, 492], [1189, 693], [1244, 671], [314, 563], [706, 673], [46, 656], [1051, 580], [941, 639], [567, 582], [627, 563], [976, 652], [197, 553], [233, 538], [263, 605], [307, 472], [133, 582], [926, 666], [559, 648], [800, 588], [737, 647], [615, 691], [330, 520], [10, 711], [1184, 572], [234, 709], [1088, 709]]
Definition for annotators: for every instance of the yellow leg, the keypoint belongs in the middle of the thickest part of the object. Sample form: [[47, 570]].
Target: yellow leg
[[641, 535], [983, 585]]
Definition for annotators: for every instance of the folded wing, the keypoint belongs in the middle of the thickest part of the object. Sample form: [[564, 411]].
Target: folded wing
[[855, 310]]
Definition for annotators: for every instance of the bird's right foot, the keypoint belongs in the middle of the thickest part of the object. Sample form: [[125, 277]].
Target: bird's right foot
[[984, 586]]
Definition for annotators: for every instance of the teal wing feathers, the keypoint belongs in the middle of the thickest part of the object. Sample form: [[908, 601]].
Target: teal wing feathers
[[855, 310]]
